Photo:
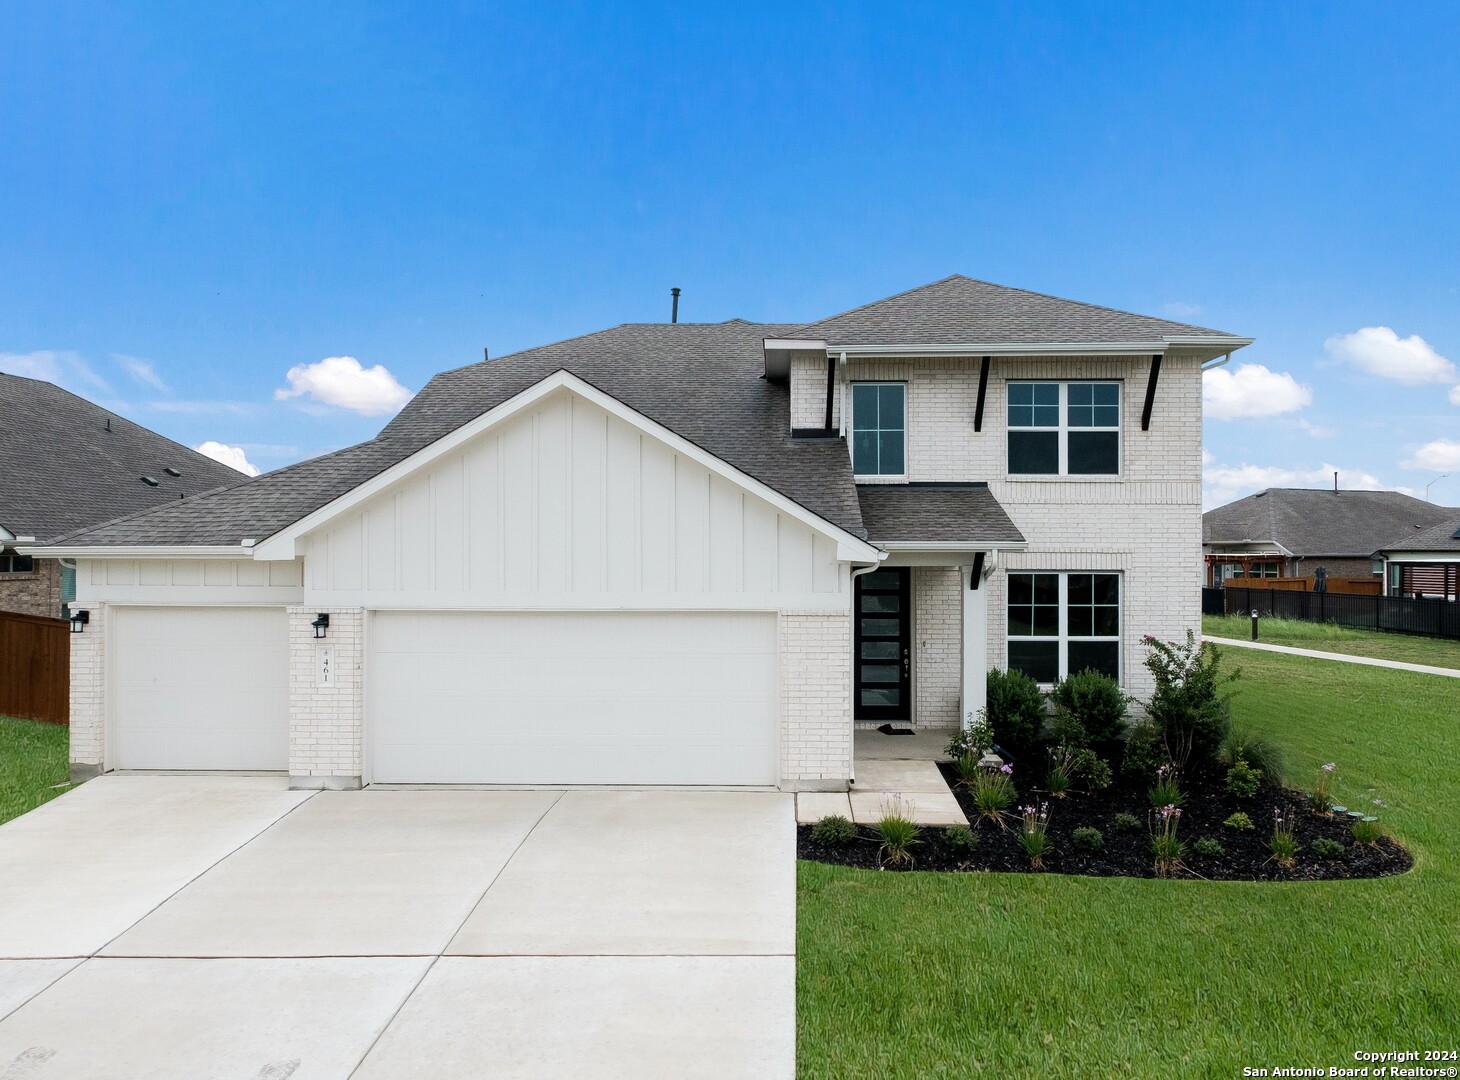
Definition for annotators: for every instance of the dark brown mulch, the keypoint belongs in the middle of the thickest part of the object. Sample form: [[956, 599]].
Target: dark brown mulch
[[1128, 854]]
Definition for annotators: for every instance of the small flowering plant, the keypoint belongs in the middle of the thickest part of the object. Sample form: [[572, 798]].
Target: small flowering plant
[[1283, 844], [1034, 833], [974, 739], [1165, 845], [1061, 771], [993, 793], [1322, 799], [1167, 789]]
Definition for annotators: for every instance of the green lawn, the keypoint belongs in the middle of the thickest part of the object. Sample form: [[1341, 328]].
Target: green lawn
[[32, 761], [927, 975], [1326, 637]]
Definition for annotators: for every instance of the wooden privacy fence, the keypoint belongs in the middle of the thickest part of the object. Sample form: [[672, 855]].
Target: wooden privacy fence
[[1352, 586], [1437, 618], [35, 667]]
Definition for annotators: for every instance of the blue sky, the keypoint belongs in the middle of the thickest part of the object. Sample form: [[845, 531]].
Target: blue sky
[[198, 200]]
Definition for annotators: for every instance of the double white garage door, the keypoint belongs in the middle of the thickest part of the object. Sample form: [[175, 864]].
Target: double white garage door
[[470, 698]]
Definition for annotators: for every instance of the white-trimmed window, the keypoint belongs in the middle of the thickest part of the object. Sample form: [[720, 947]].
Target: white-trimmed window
[[1063, 623], [16, 564], [1064, 428], [879, 429]]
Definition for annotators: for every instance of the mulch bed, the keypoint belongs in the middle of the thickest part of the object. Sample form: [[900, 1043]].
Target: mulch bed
[[1127, 854]]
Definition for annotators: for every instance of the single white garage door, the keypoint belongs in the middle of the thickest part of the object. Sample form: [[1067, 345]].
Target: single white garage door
[[199, 688], [573, 698]]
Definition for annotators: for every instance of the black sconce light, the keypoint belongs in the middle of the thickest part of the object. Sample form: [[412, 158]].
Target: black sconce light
[[321, 624], [79, 619]]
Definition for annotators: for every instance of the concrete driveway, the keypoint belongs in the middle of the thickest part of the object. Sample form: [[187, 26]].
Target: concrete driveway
[[223, 926]]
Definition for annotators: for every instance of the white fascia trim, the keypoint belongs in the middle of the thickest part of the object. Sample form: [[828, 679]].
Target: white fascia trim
[[1048, 348], [282, 544], [795, 344], [1418, 556], [951, 545], [137, 551]]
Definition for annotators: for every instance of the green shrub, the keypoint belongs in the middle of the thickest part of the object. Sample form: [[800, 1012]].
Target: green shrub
[[1367, 830], [1125, 822], [1087, 838], [1092, 771], [1144, 753], [1243, 780], [897, 831], [1325, 848], [1245, 743], [1240, 822], [1207, 846], [1016, 710], [833, 831], [993, 792], [973, 739], [1188, 706], [1088, 707], [961, 839]]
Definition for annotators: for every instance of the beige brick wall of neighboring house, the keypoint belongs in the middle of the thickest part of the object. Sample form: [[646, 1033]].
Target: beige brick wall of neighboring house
[[938, 645], [816, 672], [37, 592], [88, 695], [326, 724]]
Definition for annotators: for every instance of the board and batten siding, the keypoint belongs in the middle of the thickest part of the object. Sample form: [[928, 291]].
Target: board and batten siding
[[569, 506], [188, 581]]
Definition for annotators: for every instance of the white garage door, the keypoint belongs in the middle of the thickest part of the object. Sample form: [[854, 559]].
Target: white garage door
[[573, 698], [199, 688]]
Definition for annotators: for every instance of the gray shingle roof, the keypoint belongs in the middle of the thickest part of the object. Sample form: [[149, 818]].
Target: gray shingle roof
[[959, 310], [1441, 537], [961, 514], [1319, 521], [61, 469]]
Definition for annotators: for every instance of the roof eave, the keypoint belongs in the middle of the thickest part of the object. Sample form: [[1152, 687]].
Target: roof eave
[[137, 551]]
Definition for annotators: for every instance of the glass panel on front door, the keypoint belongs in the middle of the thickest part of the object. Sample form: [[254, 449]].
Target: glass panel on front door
[[883, 675]]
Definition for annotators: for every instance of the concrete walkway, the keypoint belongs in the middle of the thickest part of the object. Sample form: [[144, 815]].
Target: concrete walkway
[[1343, 658], [890, 767], [210, 926]]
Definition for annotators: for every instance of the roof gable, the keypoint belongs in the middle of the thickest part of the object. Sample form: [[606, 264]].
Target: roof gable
[[1320, 521]]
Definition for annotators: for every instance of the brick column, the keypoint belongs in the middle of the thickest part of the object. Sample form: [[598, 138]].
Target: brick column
[[326, 721], [88, 696], [816, 700]]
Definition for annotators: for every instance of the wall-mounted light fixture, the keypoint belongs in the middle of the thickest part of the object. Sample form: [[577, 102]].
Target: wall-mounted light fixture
[[79, 619], [321, 624]]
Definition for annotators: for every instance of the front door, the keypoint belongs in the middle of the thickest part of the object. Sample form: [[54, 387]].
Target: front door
[[883, 666]]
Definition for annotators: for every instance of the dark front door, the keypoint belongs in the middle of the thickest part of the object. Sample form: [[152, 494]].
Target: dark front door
[[882, 675]]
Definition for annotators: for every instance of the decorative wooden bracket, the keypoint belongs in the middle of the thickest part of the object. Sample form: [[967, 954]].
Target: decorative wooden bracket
[[983, 389], [1150, 393]]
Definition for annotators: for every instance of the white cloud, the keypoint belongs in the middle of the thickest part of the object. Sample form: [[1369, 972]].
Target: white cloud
[[232, 456], [1178, 309], [341, 381], [1251, 391], [1440, 455], [1316, 430], [1455, 395], [1379, 351], [1223, 483], [64, 368], [143, 371]]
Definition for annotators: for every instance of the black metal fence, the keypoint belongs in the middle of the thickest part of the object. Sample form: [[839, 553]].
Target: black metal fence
[[1435, 618]]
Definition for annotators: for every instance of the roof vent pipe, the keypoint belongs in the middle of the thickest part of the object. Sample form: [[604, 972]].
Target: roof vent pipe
[[674, 305], [1335, 481]]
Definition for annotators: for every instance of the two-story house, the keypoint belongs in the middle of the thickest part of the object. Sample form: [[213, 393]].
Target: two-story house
[[668, 554]]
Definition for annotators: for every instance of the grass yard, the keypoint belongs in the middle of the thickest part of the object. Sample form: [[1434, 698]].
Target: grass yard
[[926, 975], [33, 760], [1382, 645]]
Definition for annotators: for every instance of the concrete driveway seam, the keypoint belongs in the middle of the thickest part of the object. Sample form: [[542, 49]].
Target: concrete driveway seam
[[412, 992]]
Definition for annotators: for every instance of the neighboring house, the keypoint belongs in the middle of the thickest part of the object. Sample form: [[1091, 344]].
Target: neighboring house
[[66, 463], [1424, 563], [1290, 532], [668, 554]]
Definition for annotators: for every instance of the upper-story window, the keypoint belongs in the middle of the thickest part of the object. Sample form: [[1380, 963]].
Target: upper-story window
[[1064, 428], [879, 429]]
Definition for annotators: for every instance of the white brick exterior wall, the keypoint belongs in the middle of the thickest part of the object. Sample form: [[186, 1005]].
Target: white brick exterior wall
[[816, 673], [808, 394], [88, 695], [938, 645], [1144, 523], [326, 724]]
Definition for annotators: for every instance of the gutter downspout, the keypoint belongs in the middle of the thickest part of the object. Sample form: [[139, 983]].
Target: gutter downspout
[[852, 705]]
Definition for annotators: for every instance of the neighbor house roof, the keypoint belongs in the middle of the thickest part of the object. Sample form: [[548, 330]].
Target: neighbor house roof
[[935, 513], [1312, 522], [66, 463], [1442, 537], [960, 310]]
